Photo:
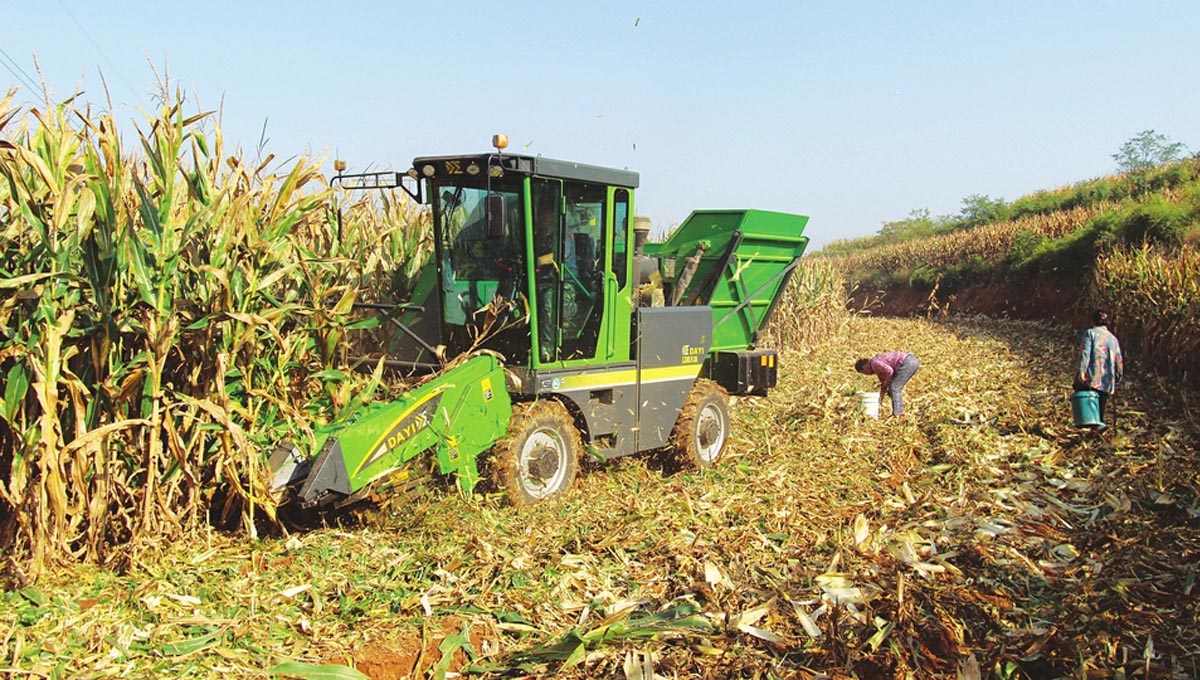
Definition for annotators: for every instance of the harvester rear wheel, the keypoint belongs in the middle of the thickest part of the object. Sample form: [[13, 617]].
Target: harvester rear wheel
[[540, 456], [702, 430]]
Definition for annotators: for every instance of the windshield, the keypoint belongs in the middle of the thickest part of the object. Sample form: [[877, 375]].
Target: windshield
[[478, 266]]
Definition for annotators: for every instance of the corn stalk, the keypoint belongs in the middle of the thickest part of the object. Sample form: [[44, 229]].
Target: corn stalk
[[1154, 296], [162, 314], [813, 306]]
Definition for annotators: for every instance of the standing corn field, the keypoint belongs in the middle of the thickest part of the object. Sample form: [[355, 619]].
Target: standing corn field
[[813, 306], [1155, 295], [163, 312], [990, 242]]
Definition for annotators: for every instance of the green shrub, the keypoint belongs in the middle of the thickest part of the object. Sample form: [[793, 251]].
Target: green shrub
[[1156, 221], [1106, 228], [1074, 252], [1169, 177], [1040, 202], [1023, 246], [952, 277], [1098, 191], [1191, 201], [876, 279], [924, 276]]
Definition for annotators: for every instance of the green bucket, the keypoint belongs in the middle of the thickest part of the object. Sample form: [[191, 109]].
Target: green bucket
[[1085, 406]]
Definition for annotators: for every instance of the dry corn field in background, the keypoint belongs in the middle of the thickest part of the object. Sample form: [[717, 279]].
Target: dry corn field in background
[[981, 536], [990, 242]]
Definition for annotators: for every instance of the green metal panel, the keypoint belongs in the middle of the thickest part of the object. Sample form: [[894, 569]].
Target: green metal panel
[[459, 414], [748, 258]]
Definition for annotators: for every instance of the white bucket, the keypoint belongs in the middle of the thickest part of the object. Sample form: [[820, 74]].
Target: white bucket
[[869, 403]]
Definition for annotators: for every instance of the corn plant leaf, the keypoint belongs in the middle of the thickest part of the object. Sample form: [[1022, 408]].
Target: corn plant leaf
[[331, 374], [760, 633], [135, 259], [199, 324], [16, 386], [572, 645], [34, 595], [753, 616], [194, 644], [579, 653], [34, 220], [806, 622], [450, 645], [268, 282], [25, 281], [880, 635], [307, 671]]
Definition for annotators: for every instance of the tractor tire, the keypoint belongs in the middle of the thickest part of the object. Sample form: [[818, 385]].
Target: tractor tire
[[539, 457], [702, 430]]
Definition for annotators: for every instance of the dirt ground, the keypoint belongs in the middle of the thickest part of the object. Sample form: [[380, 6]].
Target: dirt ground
[[980, 536], [1046, 297]]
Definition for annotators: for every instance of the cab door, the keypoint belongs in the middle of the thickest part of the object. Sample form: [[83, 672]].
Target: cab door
[[545, 252], [572, 272]]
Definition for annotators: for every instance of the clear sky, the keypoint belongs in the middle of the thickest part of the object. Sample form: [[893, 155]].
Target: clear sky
[[853, 113]]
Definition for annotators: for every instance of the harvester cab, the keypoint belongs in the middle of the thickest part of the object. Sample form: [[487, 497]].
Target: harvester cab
[[552, 325]]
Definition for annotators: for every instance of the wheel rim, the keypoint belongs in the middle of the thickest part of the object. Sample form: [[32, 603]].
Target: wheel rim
[[709, 433], [542, 464]]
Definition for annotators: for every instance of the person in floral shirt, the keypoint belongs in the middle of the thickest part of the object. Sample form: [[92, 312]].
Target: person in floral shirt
[[893, 370], [1100, 362]]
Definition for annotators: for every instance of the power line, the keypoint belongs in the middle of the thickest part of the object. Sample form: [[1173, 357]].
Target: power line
[[19, 73], [87, 35]]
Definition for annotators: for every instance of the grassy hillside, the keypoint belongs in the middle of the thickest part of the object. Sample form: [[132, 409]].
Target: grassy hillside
[[1128, 243]]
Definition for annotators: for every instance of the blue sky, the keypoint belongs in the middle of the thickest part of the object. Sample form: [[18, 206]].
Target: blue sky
[[852, 113]]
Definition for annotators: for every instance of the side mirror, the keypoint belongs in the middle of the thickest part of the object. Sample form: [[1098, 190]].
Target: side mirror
[[497, 217]]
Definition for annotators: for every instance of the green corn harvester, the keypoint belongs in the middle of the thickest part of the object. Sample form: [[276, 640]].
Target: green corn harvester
[[570, 331]]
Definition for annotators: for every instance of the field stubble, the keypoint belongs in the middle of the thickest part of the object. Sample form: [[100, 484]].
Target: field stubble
[[980, 536]]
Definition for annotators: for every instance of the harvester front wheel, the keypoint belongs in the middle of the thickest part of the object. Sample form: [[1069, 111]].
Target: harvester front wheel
[[540, 456], [702, 430]]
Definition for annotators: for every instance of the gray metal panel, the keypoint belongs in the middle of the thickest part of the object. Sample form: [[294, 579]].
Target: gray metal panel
[[611, 416], [668, 337], [672, 344], [659, 410], [605, 395], [550, 167]]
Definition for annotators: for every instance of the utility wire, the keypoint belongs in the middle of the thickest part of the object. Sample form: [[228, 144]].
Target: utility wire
[[87, 35], [13, 67]]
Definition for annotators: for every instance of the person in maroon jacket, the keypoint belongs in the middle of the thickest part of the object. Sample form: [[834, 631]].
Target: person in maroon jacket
[[893, 370]]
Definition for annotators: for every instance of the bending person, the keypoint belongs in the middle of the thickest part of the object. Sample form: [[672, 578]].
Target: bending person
[[893, 370]]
